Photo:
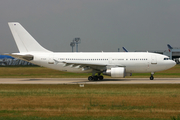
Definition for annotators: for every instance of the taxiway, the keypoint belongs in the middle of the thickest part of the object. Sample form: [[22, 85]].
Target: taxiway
[[85, 81]]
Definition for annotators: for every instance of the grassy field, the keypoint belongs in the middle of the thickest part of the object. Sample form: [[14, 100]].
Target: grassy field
[[41, 72], [93, 102]]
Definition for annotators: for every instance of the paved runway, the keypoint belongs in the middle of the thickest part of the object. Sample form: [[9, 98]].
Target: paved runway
[[85, 81]]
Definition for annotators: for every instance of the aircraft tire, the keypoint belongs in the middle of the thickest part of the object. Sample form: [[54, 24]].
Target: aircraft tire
[[151, 78], [100, 77], [90, 78]]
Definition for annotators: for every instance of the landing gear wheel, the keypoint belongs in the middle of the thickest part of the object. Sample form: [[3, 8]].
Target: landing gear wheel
[[101, 77], [90, 78], [151, 78], [95, 77]]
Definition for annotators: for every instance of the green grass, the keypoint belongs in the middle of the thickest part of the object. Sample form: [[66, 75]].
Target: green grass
[[76, 118], [93, 102], [113, 90]]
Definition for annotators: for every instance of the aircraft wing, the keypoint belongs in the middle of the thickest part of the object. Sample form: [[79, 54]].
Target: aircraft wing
[[22, 57], [87, 66]]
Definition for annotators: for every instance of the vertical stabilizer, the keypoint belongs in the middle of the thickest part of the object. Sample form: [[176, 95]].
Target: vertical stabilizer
[[24, 41], [125, 50], [169, 47]]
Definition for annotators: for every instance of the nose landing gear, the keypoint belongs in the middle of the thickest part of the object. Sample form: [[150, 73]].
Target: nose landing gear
[[151, 77]]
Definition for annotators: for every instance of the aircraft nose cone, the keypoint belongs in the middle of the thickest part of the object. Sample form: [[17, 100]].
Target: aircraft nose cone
[[172, 64]]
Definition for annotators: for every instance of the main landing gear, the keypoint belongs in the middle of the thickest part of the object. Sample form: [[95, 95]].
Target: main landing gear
[[152, 78], [95, 78]]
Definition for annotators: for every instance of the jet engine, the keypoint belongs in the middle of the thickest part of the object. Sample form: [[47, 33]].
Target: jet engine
[[115, 72]]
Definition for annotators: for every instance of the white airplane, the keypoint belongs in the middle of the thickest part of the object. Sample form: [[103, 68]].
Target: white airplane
[[114, 64]]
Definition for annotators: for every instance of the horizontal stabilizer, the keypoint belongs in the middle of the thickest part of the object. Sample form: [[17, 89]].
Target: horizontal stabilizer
[[22, 57]]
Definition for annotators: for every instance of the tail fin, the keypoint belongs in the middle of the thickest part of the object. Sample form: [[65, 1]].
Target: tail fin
[[169, 47], [24, 41], [125, 50]]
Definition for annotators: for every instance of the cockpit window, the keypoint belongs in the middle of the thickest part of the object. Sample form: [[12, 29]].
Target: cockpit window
[[166, 59]]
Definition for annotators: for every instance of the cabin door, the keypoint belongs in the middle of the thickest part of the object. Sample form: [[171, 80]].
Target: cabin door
[[153, 59], [110, 60]]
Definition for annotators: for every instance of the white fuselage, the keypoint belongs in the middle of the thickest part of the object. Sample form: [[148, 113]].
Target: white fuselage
[[134, 62]]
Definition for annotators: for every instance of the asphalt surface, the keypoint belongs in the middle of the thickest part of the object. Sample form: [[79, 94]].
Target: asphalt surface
[[85, 81]]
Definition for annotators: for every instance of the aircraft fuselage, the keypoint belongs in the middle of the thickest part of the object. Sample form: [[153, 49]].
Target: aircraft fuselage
[[133, 62]]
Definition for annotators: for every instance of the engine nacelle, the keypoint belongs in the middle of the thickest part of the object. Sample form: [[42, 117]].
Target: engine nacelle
[[115, 72]]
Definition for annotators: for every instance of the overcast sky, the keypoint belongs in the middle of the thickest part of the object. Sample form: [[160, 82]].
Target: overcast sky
[[102, 25]]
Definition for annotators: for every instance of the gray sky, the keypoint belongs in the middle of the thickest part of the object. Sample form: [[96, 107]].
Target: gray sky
[[102, 25]]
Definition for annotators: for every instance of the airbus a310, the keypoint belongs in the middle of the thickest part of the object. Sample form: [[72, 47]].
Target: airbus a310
[[114, 64]]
